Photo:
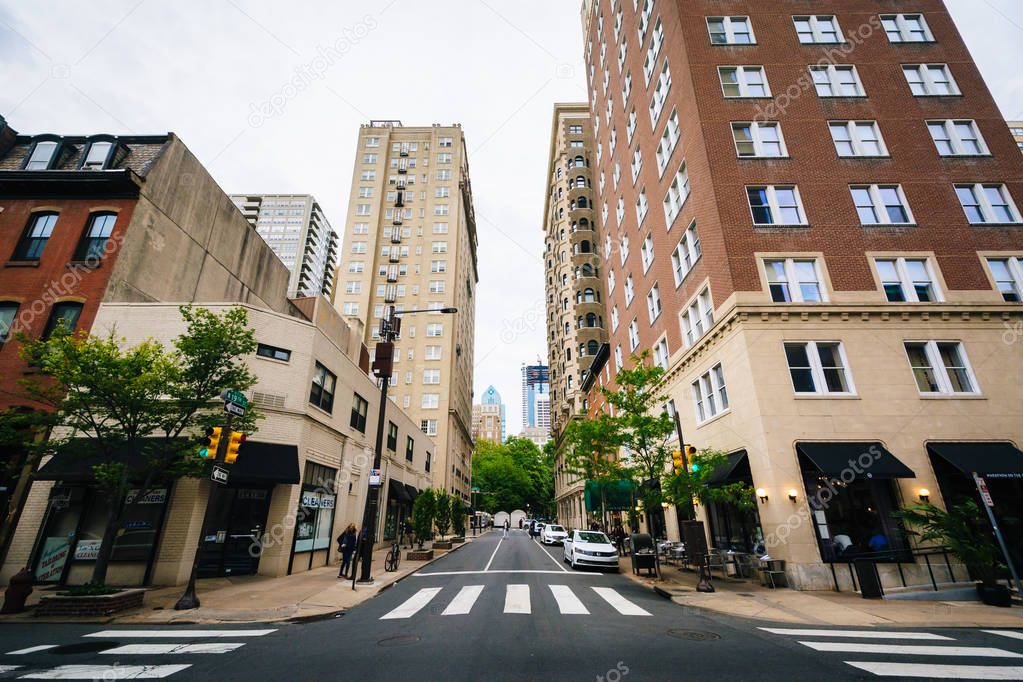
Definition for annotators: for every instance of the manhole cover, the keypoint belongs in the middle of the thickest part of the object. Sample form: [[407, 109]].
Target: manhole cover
[[83, 648], [694, 635], [399, 640]]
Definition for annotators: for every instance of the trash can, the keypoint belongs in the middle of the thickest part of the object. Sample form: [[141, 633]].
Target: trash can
[[868, 578]]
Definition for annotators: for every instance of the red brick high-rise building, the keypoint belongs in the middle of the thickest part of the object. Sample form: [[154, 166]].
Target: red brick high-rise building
[[811, 220]]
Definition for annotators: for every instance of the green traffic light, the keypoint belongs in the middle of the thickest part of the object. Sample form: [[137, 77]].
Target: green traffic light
[[204, 453]]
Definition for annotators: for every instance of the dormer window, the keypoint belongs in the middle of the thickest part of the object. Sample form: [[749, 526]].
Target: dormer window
[[43, 154], [97, 155]]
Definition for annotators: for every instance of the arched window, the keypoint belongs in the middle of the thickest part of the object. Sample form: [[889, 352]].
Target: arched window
[[580, 181], [587, 270], [583, 202], [582, 349], [589, 296], [95, 236], [579, 161], [584, 224], [591, 319], [584, 246], [592, 347]]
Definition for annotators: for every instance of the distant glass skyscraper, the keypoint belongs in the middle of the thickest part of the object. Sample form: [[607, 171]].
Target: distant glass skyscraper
[[536, 397], [492, 397]]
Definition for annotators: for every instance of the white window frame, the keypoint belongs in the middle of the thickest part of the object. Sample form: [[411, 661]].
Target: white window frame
[[757, 138], [729, 23], [906, 282], [615, 319], [669, 140], [772, 201], [637, 163], [817, 368], [662, 357], [927, 81], [696, 318], [940, 371], [743, 84], [642, 207], [623, 249], [853, 129], [710, 395], [647, 252], [1014, 264], [677, 195], [630, 290], [903, 29], [660, 94], [833, 83], [686, 254], [815, 21], [793, 283], [880, 208], [654, 307], [984, 204], [650, 62], [633, 335], [950, 127]]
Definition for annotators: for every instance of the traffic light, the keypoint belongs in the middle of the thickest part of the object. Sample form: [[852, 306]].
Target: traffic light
[[692, 456], [677, 462], [210, 443], [234, 442]]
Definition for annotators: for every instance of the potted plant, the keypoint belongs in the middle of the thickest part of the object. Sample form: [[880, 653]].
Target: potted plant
[[961, 529]]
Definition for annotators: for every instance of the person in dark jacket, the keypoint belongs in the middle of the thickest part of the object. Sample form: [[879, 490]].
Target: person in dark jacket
[[346, 547]]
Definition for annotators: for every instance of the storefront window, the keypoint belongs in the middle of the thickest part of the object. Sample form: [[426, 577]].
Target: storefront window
[[315, 518]]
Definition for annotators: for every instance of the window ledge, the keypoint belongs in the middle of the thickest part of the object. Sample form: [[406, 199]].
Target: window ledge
[[952, 396], [275, 360], [989, 155], [91, 264], [1019, 224], [787, 157], [866, 157], [716, 417], [765, 226], [827, 396], [889, 225], [21, 264]]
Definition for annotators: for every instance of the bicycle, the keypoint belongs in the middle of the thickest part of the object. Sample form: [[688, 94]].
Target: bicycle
[[393, 558]]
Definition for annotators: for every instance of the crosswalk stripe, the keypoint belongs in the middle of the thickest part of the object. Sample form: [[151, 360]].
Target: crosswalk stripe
[[941, 672], [8, 668], [620, 603], [413, 604], [861, 634], [200, 648], [1005, 633], [906, 649], [31, 650], [463, 601], [106, 672], [568, 603], [516, 599], [182, 634]]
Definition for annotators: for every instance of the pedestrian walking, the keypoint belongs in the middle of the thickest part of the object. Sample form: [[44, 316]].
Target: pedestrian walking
[[507, 525], [346, 547]]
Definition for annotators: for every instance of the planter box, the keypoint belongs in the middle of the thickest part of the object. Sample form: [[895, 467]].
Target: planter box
[[95, 605], [442, 544], [419, 555], [457, 540]]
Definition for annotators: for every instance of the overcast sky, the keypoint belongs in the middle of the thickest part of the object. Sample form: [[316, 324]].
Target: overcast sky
[[219, 73]]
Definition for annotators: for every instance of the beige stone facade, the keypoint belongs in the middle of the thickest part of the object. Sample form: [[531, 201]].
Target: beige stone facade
[[410, 241], [486, 423]]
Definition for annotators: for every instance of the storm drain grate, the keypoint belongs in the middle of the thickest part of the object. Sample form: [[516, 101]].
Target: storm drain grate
[[399, 640], [694, 635], [83, 648]]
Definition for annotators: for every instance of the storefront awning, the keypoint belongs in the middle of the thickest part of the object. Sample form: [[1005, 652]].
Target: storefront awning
[[74, 464], [412, 492], [992, 460], [396, 492], [265, 463], [870, 460], [723, 474]]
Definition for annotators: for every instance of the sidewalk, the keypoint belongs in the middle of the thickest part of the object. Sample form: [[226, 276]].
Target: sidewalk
[[747, 599], [313, 594]]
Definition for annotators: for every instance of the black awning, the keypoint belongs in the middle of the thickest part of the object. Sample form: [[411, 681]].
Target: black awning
[[412, 492], [992, 460], [74, 463], [265, 463], [723, 475], [396, 492], [871, 460]]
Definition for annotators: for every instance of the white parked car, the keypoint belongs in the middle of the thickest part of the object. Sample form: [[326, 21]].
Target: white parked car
[[590, 548], [553, 534]]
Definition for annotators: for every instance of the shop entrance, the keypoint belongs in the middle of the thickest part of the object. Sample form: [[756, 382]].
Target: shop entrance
[[237, 523]]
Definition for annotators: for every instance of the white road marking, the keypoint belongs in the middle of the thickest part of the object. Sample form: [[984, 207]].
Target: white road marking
[[487, 567], [413, 604], [31, 649], [200, 648], [1005, 633], [574, 575], [862, 634], [559, 564], [567, 601], [106, 672], [620, 603], [516, 599], [912, 650], [941, 672], [181, 634], [463, 601], [8, 668]]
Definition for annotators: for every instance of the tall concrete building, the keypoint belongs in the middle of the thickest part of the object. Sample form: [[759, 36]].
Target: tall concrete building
[[1016, 130], [812, 222], [487, 423], [536, 390], [492, 398], [296, 229], [410, 242]]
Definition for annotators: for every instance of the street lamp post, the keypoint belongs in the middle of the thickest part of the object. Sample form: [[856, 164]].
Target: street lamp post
[[383, 364]]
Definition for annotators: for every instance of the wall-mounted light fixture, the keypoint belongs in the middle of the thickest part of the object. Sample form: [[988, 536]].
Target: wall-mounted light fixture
[[792, 494], [925, 495], [762, 494]]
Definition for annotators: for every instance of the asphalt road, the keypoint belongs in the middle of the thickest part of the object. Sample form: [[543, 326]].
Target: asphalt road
[[505, 608]]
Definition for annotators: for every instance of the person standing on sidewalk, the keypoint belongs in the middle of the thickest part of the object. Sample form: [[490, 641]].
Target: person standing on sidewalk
[[346, 547]]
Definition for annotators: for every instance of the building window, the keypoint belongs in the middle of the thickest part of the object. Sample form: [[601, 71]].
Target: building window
[[1007, 273], [647, 252], [8, 311], [685, 255], [857, 138], [669, 139], [360, 408], [661, 357], [653, 303], [321, 393], [660, 94], [63, 315], [697, 318], [353, 287], [623, 249], [818, 367], [392, 436], [358, 247], [431, 376], [776, 205], [881, 205], [372, 141], [906, 28], [908, 279], [43, 155], [410, 448], [438, 266], [743, 81], [430, 401], [33, 241], [633, 336], [362, 209], [710, 395], [818, 29], [630, 291], [677, 194], [273, 352], [837, 81], [794, 281], [987, 204], [940, 367], [730, 31], [642, 206], [350, 308], [428, 426], [356, 266], [618, 358], [957, 138], [758, 139], [614, 319], [930, 80], [434, 329], [97, 155]]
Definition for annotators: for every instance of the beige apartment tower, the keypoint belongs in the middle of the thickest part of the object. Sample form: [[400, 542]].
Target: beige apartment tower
[[410, 242]]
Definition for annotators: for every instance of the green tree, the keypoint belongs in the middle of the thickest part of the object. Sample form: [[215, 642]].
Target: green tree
[[963, 530], [590, 451], [422, 516], [513, 475], [442, 512], [694, 483], [458, 512], [135, 413]]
